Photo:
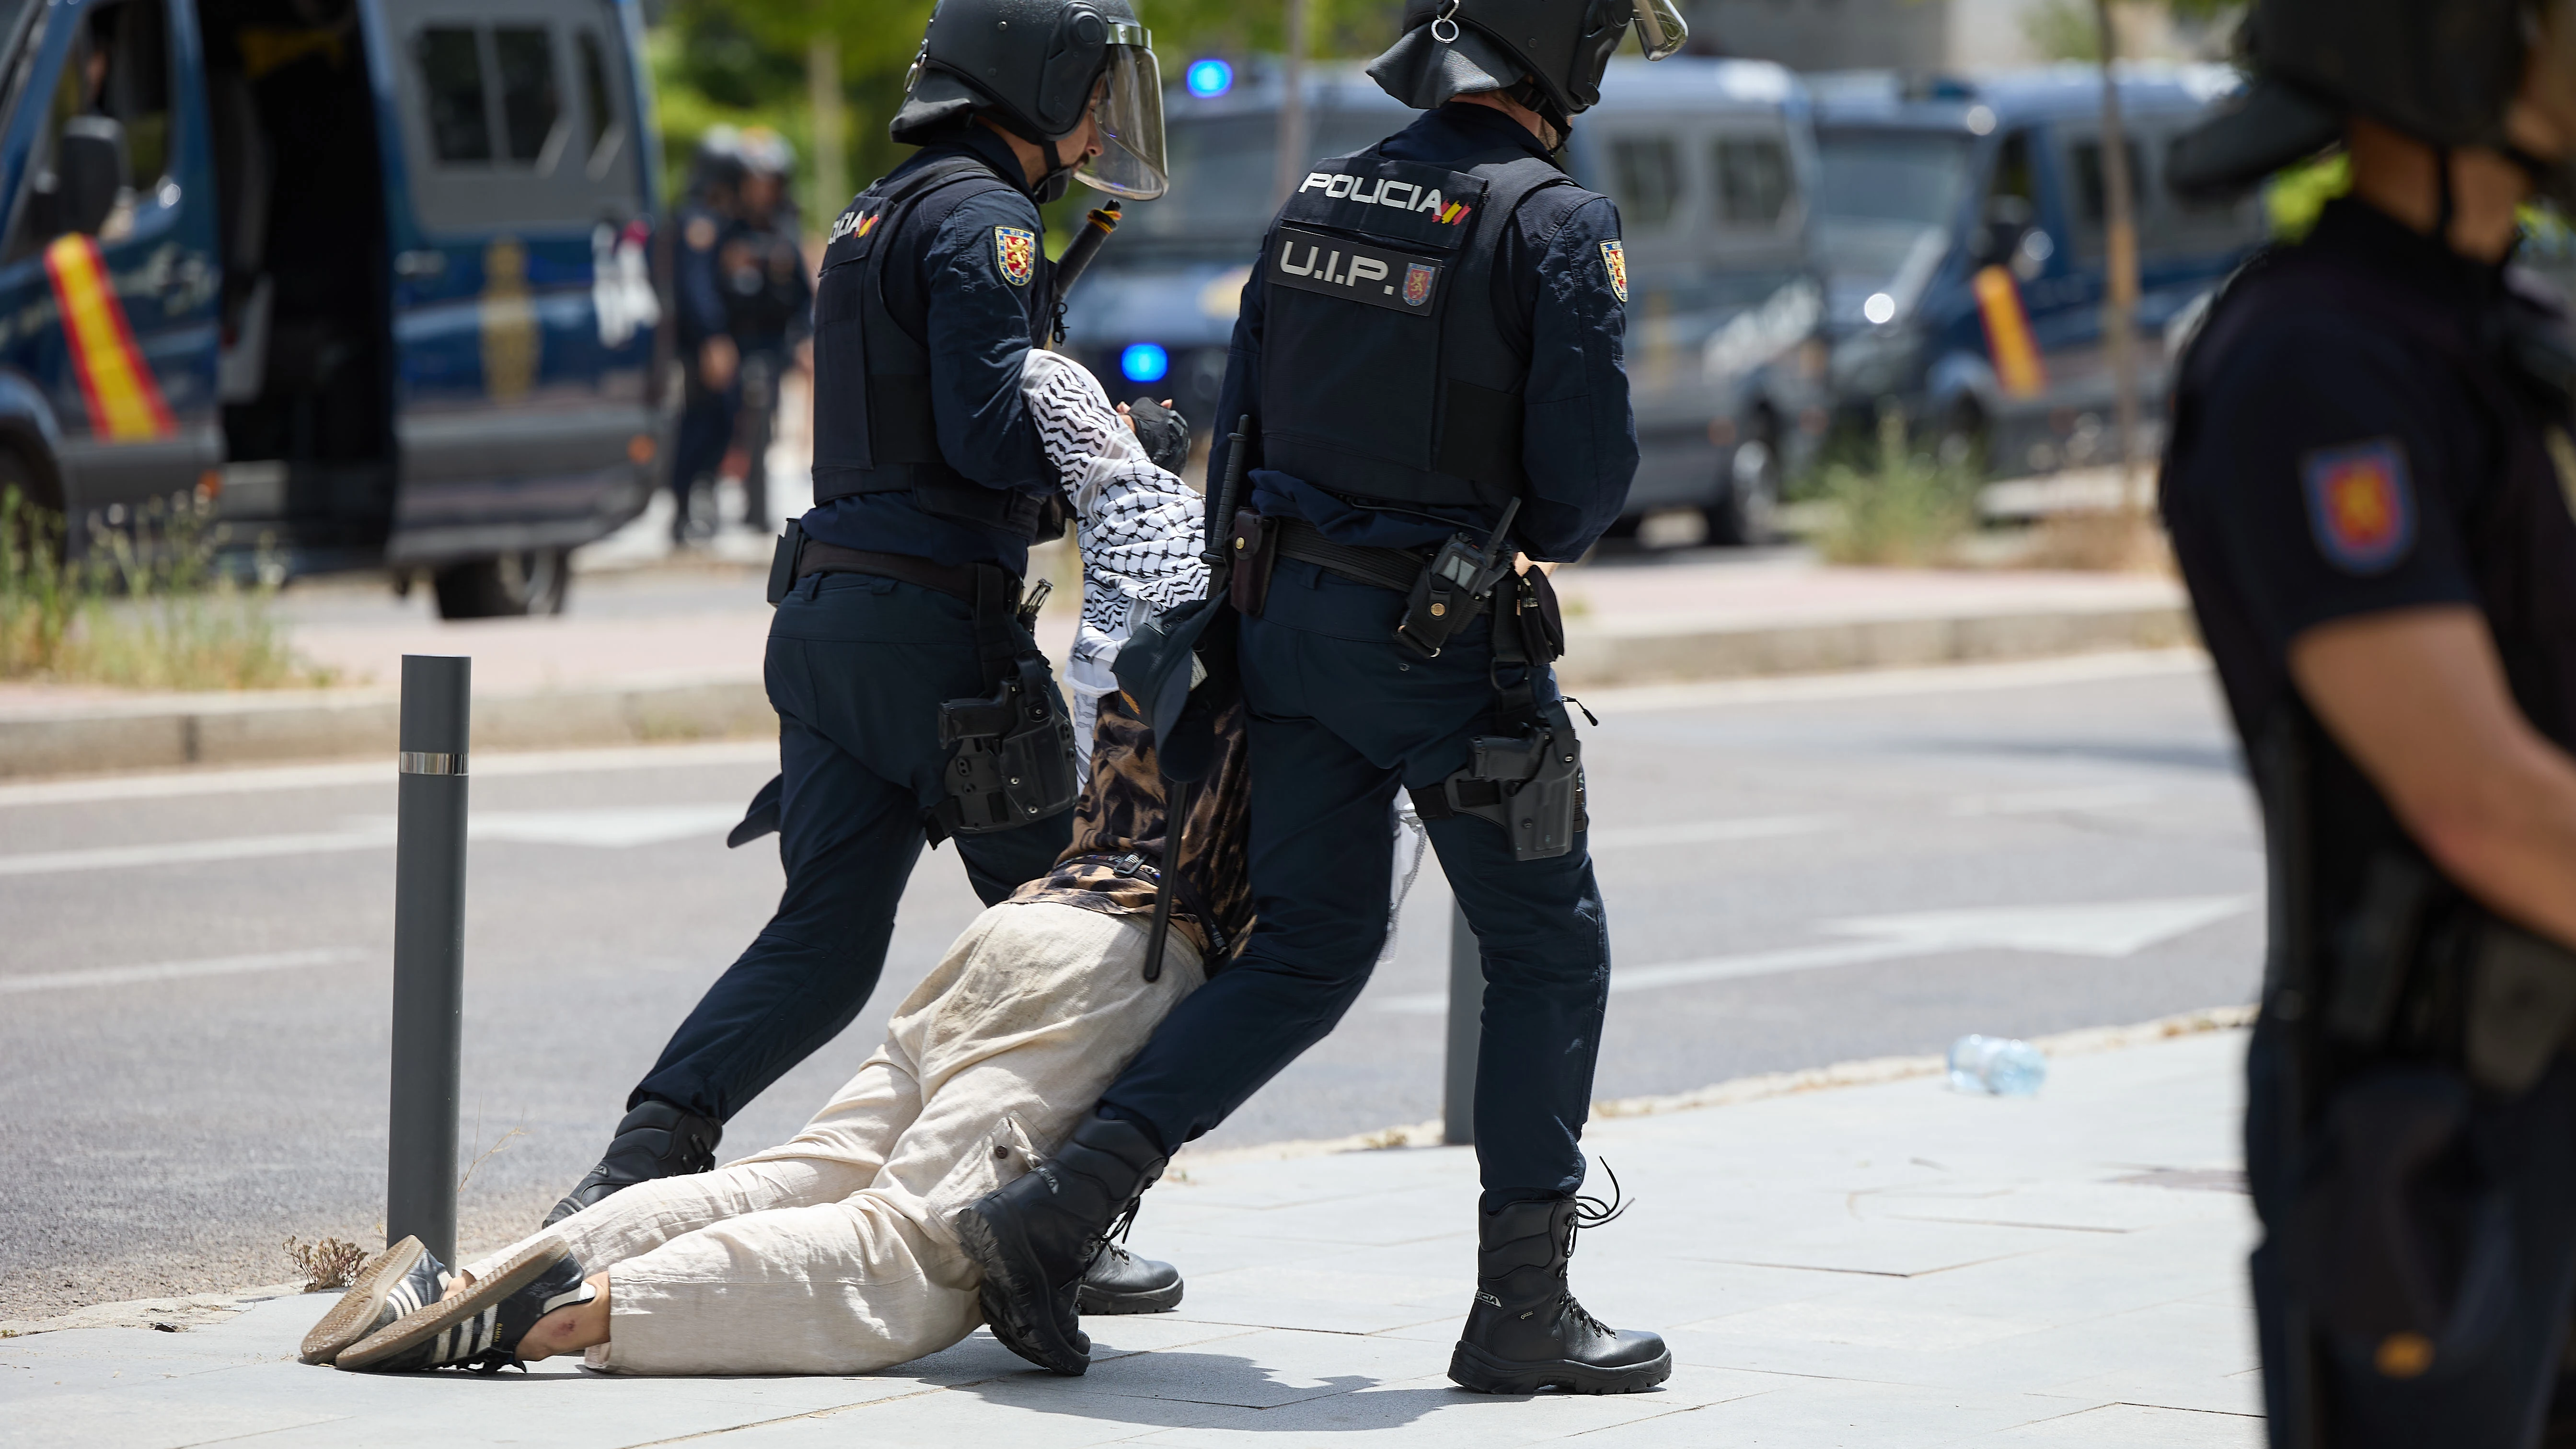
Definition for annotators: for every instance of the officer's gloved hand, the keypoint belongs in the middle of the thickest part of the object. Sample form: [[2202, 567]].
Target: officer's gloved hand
[[1165, 433]]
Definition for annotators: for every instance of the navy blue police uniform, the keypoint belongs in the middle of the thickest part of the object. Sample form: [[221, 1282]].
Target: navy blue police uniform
[[1433, 330], [2369, 422], [706, 413], [769, 310], [928, 472]]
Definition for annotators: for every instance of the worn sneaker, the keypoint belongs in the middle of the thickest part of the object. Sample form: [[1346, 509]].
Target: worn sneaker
[[392, 1283], [481, 1327]]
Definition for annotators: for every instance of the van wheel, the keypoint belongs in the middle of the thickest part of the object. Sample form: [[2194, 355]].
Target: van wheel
[[1747, 513], [531, 581]]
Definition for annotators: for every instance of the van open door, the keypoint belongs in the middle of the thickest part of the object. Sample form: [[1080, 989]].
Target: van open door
[[523, 310]]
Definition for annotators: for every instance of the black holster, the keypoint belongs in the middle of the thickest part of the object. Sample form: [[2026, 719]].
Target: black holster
[[1527, 778], [1010, 753]]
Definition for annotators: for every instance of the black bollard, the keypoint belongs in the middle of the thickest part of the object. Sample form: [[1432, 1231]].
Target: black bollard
[[429, 953], [1466, 1029]]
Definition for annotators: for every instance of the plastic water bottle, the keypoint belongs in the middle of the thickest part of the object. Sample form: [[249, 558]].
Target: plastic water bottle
[[2000, 1066]]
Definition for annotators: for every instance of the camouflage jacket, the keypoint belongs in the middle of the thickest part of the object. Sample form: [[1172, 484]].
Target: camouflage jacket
[[1118, 829]]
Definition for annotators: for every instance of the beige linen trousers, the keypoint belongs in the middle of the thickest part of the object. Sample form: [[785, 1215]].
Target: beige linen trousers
[[833, 1254]]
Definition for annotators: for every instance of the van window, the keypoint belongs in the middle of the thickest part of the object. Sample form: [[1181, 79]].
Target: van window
[[599, 108], [451, 77], [1221, 172], [2085, 157], [118, 68], [1752, 180], [1646, 177], [515, 116], [530, 103]]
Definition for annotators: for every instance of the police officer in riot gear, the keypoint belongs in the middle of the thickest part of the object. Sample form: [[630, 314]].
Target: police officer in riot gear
[[2367, 484], [709, 359], [1428, 354], [912, 701], [769, 303]]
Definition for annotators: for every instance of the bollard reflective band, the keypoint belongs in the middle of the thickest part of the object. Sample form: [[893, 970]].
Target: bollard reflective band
[[430, 762]]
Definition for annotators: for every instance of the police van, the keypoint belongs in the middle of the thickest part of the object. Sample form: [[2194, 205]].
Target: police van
[[371, 274], [1961, 234], [1710, 162]]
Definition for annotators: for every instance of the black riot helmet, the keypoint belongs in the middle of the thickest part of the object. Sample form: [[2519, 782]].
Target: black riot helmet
[[1036, 67], [1548, 53], [2442, 71]]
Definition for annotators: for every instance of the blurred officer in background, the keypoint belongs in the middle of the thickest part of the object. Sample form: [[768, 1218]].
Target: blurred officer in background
[[2367, 486], [710, 361], [912, 701], [769, 304], [1430, 351]]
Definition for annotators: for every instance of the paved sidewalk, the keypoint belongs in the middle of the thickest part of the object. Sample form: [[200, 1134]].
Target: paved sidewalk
[[1889, 1265]]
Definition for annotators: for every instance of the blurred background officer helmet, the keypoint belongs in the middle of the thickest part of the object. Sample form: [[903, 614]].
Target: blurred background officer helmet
[[1549, 53], [2443, 71], [1035, 67]]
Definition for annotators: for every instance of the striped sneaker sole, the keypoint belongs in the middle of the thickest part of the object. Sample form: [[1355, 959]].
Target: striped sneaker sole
[[468, 1316], [354, 1315]]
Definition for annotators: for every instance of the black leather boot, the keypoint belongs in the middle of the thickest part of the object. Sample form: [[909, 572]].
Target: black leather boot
[[1037, 1236], [1526, 1331], [655, 1140], [1120, 1282]]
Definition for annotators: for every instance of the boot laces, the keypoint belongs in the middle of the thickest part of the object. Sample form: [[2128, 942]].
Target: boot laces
[[1591, 1212]]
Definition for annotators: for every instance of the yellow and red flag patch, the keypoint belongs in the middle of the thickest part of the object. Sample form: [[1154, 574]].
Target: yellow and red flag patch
[[2361, 504], [124, 399], [1615, 258], [1016, 251]]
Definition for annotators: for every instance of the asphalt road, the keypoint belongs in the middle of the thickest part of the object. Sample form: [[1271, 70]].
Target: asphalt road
[[194, 973]]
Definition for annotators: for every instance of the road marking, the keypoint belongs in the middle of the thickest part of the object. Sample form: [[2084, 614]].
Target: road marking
[[2105, 931], [1700, 832], [381, 772], [178, 970], [1894, 683], [612, 828]]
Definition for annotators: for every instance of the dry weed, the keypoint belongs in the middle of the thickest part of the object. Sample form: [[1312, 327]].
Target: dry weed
[[327, 1265]]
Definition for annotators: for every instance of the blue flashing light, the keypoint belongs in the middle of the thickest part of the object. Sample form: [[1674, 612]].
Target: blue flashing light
[[1210, 78], [1144, 362]]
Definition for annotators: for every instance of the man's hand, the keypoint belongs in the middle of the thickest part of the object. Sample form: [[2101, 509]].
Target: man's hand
[[718, 360], [2417, 697]]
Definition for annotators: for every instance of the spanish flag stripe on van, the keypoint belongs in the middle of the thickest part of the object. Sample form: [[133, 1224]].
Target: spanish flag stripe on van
[[2008, 339], [125, 403]]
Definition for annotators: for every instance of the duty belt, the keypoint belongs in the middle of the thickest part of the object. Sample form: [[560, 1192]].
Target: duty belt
[[955, 580], [1385, 568]]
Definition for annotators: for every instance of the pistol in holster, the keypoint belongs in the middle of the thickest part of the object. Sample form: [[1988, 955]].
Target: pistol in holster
[[1010, 753], [1527, 778]]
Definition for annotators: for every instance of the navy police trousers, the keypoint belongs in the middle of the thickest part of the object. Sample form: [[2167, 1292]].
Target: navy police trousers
[[858, 666], [2497, 1213], [1341, 715]]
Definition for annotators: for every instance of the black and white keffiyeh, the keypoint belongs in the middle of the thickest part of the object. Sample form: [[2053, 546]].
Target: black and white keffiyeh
[[1137, 526]]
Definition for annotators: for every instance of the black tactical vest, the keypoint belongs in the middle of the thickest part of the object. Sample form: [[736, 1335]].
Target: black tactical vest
[[1386, 375], [873, 428]]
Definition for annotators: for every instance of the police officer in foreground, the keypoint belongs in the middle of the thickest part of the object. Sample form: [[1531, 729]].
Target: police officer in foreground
[[912, 701], [769, 304], [2367, 485], [1429, 353], [710, 361]]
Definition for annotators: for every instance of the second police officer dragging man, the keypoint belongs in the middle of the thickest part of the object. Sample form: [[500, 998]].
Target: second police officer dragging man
[[913, 704], [2367, 484], [1429, 358]]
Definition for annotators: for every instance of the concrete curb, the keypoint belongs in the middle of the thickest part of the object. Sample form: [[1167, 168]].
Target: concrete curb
[[171, 731]]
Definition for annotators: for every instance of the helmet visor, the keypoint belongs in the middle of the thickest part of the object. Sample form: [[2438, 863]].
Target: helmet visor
[[1660, 29], [1129, 110]]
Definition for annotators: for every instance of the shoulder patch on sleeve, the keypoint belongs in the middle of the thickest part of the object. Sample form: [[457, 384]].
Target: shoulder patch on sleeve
[[1015, 252], [2361, 504], [1616, 262]]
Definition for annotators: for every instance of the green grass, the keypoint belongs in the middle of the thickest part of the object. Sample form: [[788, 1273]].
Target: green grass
[[144, 608], [1901, 507]]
